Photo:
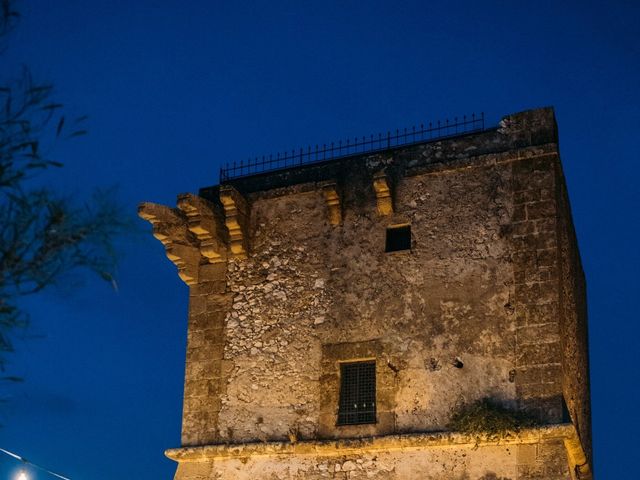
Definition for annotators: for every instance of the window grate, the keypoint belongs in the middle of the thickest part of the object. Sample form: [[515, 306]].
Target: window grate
[[357, 393]]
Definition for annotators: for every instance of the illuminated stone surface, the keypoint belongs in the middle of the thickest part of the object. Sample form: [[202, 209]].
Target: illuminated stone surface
[[289, 277]]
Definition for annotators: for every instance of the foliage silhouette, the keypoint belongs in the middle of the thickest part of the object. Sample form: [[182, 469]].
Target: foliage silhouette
[[42, 233]]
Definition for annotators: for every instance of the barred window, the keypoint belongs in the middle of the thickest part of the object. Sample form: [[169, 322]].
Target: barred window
[[357, 393]]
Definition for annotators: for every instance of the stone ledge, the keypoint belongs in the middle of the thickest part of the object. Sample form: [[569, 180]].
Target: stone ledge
[[414, 441]]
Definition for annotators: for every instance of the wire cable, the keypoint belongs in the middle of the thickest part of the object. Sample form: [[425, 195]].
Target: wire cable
[[27, 462]]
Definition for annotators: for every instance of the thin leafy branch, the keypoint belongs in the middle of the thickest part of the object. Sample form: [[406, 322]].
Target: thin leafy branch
[[43, 234]]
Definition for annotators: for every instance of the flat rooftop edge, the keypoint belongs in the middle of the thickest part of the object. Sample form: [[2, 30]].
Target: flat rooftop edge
[[520, 130]]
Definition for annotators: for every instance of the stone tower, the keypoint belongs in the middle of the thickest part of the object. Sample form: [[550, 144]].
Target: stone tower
[[341, 312]]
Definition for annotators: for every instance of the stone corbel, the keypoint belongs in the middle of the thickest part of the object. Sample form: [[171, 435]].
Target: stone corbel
[[236, 216], [205, 222], [171, 229], [332, 199], [384, 203]]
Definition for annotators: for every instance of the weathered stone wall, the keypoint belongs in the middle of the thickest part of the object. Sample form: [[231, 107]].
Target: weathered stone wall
[[308, 284], [536, 280], [573, 322], [488, 302], [205, 382], [531, 455], [484, 463]]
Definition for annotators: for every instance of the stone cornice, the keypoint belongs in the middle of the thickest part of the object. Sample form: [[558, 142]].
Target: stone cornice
[[414, 441]]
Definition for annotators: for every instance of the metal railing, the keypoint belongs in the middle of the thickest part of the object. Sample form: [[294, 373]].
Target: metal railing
[[353, 147]]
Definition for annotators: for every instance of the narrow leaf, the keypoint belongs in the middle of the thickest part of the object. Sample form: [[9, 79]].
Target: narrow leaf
[[52, 106], [77, 133], [60, 125]]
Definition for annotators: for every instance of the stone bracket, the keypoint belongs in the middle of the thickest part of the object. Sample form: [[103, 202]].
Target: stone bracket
[[332, 199], [205, 221], [384, 203], [236, 219], [170, 227]]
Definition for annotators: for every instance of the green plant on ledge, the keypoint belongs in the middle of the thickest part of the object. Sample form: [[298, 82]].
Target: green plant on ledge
[[489, 419]]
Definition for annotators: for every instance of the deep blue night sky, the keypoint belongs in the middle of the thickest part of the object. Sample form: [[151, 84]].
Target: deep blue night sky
[[174, 88]]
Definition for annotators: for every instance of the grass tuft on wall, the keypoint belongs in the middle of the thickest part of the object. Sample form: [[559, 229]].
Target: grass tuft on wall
[[490, 419]]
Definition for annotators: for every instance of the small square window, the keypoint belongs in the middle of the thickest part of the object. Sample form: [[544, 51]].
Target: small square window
[[357, 393], [398, 238]]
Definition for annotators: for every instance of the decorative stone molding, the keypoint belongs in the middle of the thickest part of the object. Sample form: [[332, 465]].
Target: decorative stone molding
[[385, 443], [332, 199], [170, 227], [384, 202], [236, 216], [205, 222]]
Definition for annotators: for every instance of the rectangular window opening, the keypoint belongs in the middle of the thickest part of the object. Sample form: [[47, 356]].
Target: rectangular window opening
[[398, 238], [357, 393]]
